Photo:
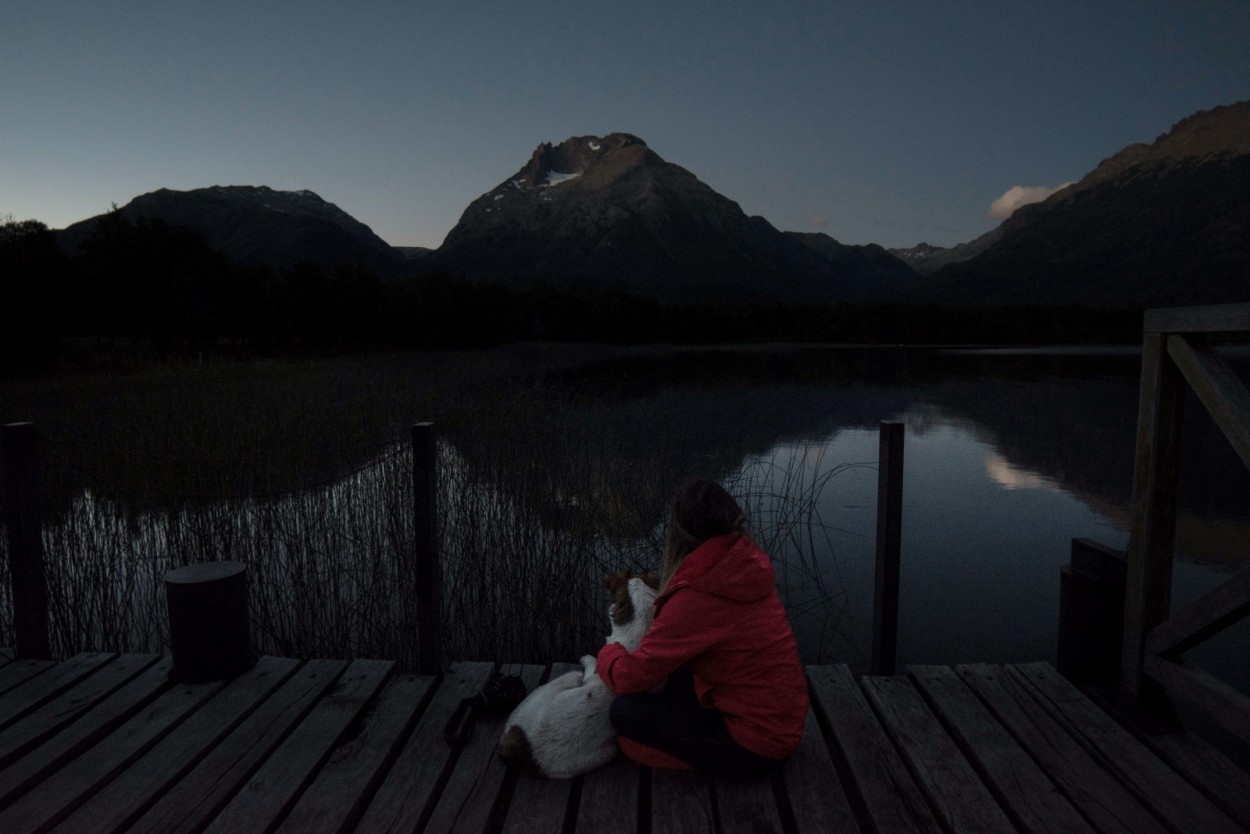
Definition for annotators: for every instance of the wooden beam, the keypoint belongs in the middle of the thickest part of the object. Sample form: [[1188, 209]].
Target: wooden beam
[[413, 781], [1148, 585], [1208, 615], [1023, 789], [1219, 389], [276, 786], [816, 797], [19, 501], [427, 574], [878, 776], [610, 799], [125, 799], [81, 734], [1166, 792], [44, 723], [469, 800], [193, 803], [1219, 778], [954, 791], [1218, 318], [1103, 799], [1223, 703], [337, 798], [889, 548], [682, 803]]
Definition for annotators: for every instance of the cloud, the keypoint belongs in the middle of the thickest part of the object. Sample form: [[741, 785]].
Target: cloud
[[1020, 195], [817, 221]]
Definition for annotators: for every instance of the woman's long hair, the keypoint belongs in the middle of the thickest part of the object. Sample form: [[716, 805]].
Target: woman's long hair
[[703, 510]]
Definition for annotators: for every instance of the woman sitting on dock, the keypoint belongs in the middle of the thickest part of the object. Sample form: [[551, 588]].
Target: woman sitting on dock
[[734, 702]]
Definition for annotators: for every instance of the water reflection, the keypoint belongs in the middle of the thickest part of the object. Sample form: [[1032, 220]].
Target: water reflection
[[1010, 454], [1001, 471]]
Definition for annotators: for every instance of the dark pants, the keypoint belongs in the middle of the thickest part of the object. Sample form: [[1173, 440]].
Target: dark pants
[[675, 722]]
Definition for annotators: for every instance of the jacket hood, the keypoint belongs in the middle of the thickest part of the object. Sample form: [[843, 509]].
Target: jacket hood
[[732, 566]]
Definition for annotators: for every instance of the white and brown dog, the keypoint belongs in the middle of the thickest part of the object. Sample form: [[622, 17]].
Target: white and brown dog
[[562, 729]]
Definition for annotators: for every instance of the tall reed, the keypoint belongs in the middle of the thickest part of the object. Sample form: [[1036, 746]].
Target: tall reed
[[537, 503]]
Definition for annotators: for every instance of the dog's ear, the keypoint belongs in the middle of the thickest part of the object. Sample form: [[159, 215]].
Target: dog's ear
[[615, 581], [652, 580]]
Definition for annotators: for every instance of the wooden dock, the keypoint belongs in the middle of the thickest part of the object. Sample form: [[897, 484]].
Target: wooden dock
[[102, 743]]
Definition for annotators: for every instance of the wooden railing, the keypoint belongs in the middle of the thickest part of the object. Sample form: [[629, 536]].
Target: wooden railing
[[1176, 354]]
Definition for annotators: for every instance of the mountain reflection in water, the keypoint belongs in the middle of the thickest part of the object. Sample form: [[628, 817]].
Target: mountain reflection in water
[[1010, 454]]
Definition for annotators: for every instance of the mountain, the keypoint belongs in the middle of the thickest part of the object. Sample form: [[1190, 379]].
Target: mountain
[[609, 213], [927, 259], [1159, 224], [258, 225]]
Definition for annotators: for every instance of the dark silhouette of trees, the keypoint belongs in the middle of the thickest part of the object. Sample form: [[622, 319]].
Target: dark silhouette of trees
[[33, 315], [140, 281]]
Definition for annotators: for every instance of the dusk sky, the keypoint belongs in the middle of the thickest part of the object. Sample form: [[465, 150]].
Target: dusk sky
[[889, 122]]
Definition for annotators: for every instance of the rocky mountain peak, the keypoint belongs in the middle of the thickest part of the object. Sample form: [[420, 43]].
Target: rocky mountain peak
[[553, 164], [1219, 133], [607, 212]]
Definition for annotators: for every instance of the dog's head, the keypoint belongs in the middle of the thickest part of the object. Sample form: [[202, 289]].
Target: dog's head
[[625, 593]]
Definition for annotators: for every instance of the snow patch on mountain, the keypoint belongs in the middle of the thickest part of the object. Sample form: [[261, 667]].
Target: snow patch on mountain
[[554, 178]]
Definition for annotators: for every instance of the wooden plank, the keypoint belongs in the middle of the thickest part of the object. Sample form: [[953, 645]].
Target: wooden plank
[[1215, 318], [1224, 704], [1148, 582], [537, 803], [275, 787], [1023, 790], [1148, 777], [401, 800], [747, 807], [340, 794], [1103, 800], [16, 672], [62, 792], [814, 792], [193, 802], [1204, 617], [468, 798], [943, 774], [887, 791], [682, 802], [41, 689], [40, 725], [1217, 387], [126, 798], [94, 725], [609, 798], [1207, 769]]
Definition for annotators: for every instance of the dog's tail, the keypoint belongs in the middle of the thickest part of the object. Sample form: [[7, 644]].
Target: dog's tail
[[514, 745]]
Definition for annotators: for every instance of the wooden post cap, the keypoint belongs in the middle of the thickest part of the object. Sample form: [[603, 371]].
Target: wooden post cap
[[209, 630], [204, 572]]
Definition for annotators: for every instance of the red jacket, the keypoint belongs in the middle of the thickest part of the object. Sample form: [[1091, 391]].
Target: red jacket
[[722, 616]]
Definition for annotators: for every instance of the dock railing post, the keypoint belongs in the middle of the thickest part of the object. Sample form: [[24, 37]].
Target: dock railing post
[[19, 498], [1148, 592], [889, 547], [427, 571]]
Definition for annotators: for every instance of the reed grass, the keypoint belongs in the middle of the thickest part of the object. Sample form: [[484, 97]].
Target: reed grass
[[537, 503]]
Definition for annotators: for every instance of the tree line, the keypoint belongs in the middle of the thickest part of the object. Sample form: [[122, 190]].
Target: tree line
[[140, 281]]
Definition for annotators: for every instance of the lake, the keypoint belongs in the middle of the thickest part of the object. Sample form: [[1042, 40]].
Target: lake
[[570, 455]]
